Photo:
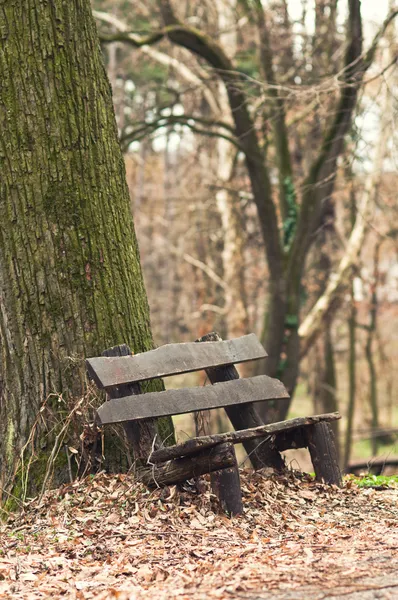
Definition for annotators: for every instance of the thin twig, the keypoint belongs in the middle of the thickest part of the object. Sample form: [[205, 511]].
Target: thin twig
[[69, 463]]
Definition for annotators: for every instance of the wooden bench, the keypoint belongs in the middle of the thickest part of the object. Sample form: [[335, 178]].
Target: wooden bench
[[121, 374]]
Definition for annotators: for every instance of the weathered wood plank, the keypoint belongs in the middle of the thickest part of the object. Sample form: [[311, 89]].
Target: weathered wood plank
[[195, 445], [182, 469], [244, 416], [185, 400], [172, 359]]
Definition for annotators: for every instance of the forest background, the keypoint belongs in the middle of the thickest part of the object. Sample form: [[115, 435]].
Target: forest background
[[205, 244]]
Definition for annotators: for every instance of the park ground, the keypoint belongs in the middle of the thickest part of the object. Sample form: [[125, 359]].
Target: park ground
[[108, 537]]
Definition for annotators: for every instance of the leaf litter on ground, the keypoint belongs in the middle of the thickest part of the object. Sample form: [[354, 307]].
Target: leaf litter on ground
[[110, 537]]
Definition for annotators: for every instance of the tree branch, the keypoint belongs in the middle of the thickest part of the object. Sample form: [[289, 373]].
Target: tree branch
[[199, 265], [278, 121], [195, 262], [321, 178], [331, 298], [132, 39], [184, 119], [161, 57], [149, 127], [325, 305], [204, 46]]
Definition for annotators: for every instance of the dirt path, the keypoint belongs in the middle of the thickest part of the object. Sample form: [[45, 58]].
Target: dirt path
[[111, 538]]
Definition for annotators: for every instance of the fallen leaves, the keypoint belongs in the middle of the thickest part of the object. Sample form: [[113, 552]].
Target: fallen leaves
[[109, 537]]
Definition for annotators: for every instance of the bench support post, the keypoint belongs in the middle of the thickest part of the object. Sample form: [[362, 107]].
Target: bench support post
[[244, 416], [323, 453], [226, 484], [139, 434]]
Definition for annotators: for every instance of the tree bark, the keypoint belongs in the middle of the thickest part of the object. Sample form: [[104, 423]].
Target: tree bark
[[371, 330], [352, 355], [70, 277], [352, 364]]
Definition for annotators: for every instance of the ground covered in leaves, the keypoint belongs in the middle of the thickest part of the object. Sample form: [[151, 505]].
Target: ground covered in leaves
[[109, 537]]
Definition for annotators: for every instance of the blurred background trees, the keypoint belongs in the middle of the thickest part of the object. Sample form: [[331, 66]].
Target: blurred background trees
[[260, 146]]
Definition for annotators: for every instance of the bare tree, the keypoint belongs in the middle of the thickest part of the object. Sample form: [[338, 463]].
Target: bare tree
[[290, 215]]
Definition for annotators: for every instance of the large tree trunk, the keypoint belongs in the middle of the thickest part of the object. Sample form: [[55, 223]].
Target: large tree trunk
[[70, 276]]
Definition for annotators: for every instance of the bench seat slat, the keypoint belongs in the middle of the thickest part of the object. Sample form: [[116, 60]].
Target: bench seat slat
[[173, 359], [195, 445], [186, 400]]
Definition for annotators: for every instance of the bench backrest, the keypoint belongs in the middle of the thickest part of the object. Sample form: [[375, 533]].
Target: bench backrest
[[123, 373], [173, 359]]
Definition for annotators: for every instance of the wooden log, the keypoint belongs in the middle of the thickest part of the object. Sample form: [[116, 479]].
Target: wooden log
[[172, 359], [185, 400], [245, 416], [375, 466], [323, 453], [226, 485], [271, 430], [140, 435], [181, 469]]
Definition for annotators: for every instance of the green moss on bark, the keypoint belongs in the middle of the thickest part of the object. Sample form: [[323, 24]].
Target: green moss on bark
[[70, 275]]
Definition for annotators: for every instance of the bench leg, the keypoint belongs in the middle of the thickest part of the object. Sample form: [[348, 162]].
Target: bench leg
[[323, 453], [226, 485]]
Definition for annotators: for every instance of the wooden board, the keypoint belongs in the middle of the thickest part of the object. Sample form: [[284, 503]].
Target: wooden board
[[237, 437], [185, 400], [173, 359]]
